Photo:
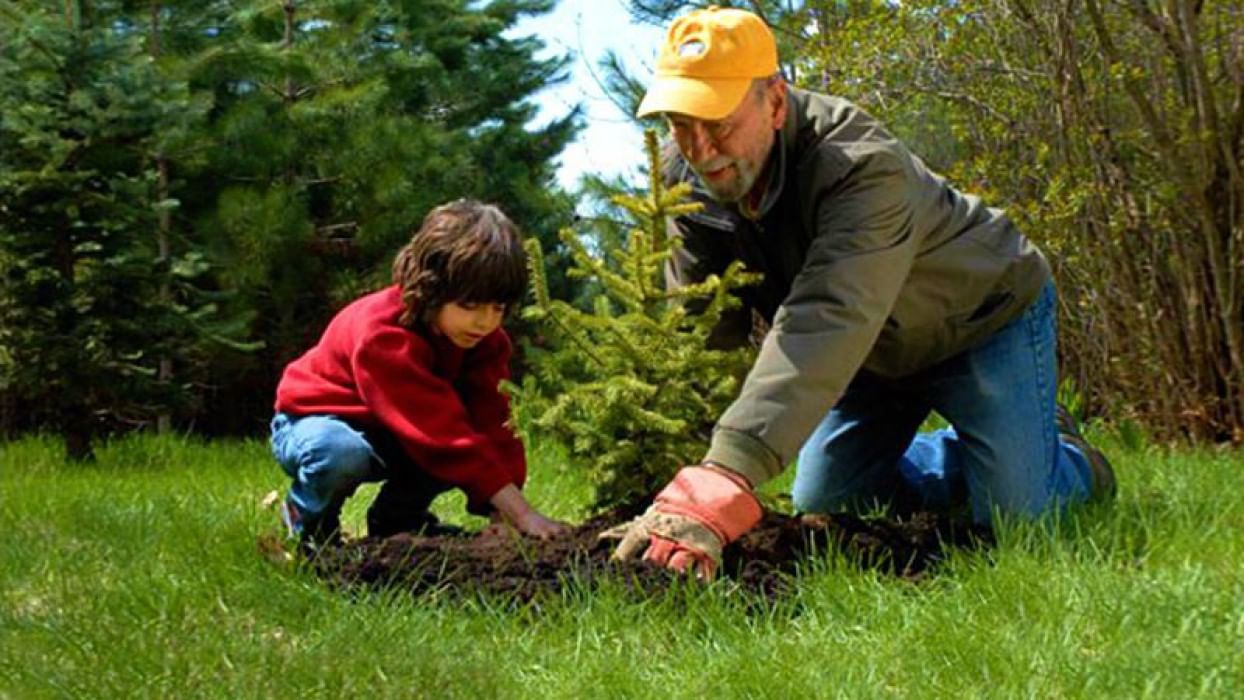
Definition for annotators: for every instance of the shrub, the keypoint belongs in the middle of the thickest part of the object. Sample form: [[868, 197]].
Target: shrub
[[630, 387]]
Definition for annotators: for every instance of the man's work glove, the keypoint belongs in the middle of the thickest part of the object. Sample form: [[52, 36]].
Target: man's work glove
[[702, 510]]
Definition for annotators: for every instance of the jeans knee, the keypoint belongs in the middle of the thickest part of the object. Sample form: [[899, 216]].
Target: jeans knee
[[807, 500], [331, 456], [339, 460]]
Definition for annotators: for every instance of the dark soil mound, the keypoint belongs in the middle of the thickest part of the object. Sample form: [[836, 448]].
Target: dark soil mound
[[760, 562]]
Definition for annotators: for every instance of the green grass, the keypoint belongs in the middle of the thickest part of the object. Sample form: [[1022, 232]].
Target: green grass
[[139, 577]]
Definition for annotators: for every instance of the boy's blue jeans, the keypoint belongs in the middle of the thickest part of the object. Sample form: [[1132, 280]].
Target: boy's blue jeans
[[1002, 452], [328, 459]]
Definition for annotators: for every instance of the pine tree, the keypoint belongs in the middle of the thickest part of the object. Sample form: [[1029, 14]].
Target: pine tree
[[337, 126], [277, 153], [630, 388], [91, 297]]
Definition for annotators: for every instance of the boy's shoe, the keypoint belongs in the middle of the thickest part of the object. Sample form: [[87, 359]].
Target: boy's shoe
[[311, 538], [291, 519], [1104, 486], [433, 527], [423, 524]]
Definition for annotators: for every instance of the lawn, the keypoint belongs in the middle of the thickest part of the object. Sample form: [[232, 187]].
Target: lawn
[[139, 576]]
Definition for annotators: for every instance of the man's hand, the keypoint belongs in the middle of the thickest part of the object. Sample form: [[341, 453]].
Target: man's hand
[[702, 510]]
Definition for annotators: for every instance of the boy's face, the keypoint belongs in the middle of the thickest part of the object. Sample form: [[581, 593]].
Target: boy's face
[[465, 324]]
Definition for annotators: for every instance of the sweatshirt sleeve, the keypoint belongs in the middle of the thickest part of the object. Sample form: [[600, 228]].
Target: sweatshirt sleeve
[[488, 408], [828, 323], [393, 371]]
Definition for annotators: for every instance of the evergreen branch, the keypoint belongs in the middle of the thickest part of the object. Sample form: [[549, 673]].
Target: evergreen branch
[[593, 267], [638, 359], [574, 337], [540, 288], [53, 58], [656, 183], [637, 242], [598, 219], [535, 266], [278, 91], [639, 208], [684, 209], [330, 229]]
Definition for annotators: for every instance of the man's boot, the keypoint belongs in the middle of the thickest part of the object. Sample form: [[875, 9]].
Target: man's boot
[[1104, 486]]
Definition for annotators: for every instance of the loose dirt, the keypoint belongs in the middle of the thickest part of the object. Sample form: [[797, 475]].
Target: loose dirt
[[762, 561]]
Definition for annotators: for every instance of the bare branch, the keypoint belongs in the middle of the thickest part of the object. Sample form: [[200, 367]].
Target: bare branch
[[330, 230], [1147, 17], [1134, 90], [970, 100]]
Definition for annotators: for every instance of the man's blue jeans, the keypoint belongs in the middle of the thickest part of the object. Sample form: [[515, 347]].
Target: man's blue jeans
[[1002, 452], [328, 459]]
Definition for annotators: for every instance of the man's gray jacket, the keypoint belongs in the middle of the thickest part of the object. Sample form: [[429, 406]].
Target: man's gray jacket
[[869, 260]]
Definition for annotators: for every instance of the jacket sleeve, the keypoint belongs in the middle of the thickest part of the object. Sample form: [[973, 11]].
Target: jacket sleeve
[[862, 251], [393, 371], [488, 408]]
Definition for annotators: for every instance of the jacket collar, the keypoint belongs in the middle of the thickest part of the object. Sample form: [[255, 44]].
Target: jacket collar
[[784, 142], [776, 178]]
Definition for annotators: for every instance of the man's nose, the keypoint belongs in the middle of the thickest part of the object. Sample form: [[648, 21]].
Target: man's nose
[[700, 146]]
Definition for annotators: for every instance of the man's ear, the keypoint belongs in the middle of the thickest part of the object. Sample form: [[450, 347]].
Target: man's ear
[[778, 103]]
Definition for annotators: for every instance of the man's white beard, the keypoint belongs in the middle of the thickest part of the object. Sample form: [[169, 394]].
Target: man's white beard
[[745, 175]]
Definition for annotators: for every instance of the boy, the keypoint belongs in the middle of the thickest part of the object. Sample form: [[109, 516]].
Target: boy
[[402, 388]]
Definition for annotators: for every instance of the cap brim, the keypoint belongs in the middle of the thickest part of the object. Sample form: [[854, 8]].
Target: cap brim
[[694, 97]]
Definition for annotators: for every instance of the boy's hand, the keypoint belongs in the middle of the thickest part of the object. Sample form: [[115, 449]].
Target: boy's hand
[[514, 510], [540, 527], [496, 530]]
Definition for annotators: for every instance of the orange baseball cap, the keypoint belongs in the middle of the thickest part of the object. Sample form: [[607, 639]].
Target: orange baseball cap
[[709, 60]]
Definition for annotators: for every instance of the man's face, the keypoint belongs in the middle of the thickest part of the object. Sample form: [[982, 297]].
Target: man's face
[[730, 153]]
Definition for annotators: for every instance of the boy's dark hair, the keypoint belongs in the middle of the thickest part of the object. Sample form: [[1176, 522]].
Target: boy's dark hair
[[465, 251]]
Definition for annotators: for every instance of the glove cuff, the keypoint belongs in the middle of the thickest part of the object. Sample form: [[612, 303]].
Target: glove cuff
[[713, 496], [742, 481]]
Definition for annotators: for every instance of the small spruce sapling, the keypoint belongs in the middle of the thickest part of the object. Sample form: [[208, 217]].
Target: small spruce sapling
[[630, 388]]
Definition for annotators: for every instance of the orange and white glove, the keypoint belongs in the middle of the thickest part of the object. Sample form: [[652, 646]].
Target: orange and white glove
[[702, 510]]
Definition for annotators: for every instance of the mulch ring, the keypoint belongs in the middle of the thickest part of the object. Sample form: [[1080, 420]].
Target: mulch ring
[[761, 562]]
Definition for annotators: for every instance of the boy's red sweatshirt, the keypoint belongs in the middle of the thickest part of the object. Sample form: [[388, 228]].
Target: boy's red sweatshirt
[[440, 401]]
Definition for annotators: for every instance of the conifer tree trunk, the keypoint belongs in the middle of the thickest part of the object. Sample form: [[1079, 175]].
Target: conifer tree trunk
[[164, 374], [76, 428], [287, 46]]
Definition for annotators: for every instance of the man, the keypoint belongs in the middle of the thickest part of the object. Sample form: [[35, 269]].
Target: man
[[890, 294]]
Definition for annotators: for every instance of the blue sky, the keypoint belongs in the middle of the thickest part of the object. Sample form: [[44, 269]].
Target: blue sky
[[585, 29]]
